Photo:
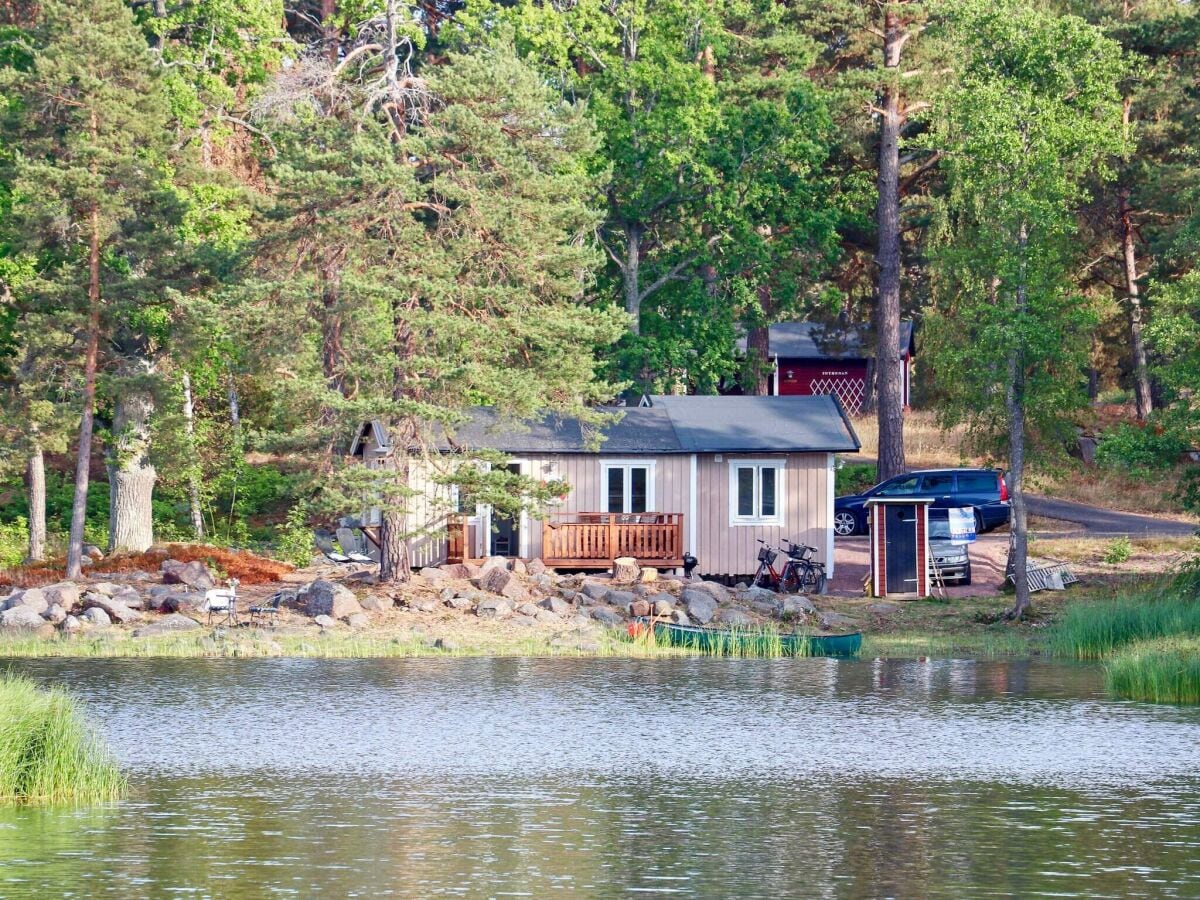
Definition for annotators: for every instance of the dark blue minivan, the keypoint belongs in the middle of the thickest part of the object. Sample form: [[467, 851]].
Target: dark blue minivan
[[984, 489]]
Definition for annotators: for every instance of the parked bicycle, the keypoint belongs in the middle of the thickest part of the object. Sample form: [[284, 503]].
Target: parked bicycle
[[800, 574], [809, 575]]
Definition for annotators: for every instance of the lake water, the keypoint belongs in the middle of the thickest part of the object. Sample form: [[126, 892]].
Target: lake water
[[697, 777]]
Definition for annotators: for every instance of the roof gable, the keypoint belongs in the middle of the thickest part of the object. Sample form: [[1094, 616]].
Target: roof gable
[[812, 340]]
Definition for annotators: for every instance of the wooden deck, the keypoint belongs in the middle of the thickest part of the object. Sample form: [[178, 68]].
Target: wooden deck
[[594, 540]]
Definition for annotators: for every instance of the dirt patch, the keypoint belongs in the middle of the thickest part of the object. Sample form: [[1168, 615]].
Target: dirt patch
[[243, 565], [29, 576]]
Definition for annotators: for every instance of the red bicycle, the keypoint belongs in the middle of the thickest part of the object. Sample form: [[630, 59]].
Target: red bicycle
[[799, 575]]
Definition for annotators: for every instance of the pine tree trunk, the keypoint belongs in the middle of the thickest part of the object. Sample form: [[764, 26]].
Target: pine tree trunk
[[131, 477], [189, 424], [868, 401], [633, 296], [1137, 344], [758, 357], [1019, 551], [87, 420], [333, 365], [1015, 406], [36, 483], [395, 562], [758, 346], [889, 373], [329, 30]]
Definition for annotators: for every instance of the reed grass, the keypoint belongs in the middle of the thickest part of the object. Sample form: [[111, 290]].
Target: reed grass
[[1163, 671], [48, 751], [1094, 630], [752, 642]]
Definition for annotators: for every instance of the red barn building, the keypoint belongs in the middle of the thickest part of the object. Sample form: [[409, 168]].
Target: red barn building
[[810, 358]]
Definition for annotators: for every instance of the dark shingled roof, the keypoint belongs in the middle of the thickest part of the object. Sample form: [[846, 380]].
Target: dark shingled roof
[[687, 424], [640, 430], [811, 340], [759, 424]]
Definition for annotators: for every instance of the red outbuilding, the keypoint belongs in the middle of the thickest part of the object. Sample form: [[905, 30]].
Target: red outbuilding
[[811, 358]]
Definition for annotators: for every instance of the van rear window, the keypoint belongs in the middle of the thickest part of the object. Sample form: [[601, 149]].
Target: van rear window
[[981, 482]]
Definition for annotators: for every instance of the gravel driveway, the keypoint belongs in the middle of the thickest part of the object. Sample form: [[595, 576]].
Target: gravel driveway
[[852, 558]]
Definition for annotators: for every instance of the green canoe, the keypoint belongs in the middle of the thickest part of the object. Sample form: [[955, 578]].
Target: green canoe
[[740, 642]]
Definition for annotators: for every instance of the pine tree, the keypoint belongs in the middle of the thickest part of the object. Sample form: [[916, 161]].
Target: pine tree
[[91, 194], [455, 209]]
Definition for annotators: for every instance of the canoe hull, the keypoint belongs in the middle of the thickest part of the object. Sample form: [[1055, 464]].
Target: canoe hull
[[732, 642]]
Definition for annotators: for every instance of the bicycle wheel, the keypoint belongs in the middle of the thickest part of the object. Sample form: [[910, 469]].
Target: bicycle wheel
[[762, 578], [813, 580], [790, 580]]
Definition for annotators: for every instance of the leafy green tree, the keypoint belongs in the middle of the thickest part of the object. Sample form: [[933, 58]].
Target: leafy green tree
[[1174, 336], [1035, 111], [717, 210], [92, 197]]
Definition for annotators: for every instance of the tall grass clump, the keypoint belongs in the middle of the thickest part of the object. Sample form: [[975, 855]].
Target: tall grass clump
[[762, 642], [1093, 630], [48, 752], [1166, 671]]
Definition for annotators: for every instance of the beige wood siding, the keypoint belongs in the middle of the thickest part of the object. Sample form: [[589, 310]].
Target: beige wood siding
[[725, 549], [722, 548], [426, 511], [583, 473]]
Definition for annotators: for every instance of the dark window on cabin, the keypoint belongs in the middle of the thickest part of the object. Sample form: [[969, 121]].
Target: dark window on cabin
[[745, 489], [637, 489], [768, 492], [616, 490]]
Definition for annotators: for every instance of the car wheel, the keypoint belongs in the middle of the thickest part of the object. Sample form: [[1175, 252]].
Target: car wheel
[[966, 578], [844, 523], [979, 529]]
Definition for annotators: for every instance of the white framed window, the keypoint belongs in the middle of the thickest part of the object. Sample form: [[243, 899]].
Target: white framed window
[[756, 491], [627, 486]]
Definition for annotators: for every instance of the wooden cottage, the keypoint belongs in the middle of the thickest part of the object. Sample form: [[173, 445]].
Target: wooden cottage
[[811, 359], [702, 475]]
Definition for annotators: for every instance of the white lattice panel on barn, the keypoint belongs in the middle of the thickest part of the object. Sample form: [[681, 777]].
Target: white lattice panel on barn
[[850, 391]]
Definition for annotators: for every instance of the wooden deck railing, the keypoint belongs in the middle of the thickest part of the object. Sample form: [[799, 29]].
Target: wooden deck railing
[[583, 540], [456, 539]]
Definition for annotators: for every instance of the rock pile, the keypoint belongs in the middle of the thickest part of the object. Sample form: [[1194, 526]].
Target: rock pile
[[524, 593]]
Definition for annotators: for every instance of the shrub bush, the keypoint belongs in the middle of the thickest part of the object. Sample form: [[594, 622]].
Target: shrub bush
[[1119, 550], [294, 539], [1155, 445], [854, 478], [14, 542]]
